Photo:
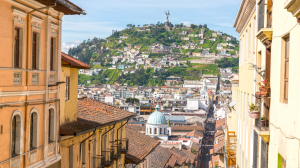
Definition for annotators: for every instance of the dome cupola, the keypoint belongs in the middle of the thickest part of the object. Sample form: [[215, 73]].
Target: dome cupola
[[157, 117]]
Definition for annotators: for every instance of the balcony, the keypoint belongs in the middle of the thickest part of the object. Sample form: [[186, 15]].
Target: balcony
[[118, 151], [293, 7], [109, 159], [262, 128], [99, 159], [124, 146], [265, 35], [231, 149]]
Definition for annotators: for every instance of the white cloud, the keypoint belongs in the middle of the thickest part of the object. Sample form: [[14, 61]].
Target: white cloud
[[74, 42], [65, 48]]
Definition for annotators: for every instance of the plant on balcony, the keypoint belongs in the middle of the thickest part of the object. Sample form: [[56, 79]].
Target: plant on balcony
[[264, 88], [262, 121], [253, 111]]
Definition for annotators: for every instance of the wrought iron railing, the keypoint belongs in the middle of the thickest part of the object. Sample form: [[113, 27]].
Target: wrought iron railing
[[110, 159], [124, 145], [99, 160]]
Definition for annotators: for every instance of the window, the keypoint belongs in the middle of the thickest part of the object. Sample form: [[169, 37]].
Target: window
[[254, 37], [16, 135], [71, 156], [155, 130], [34, 51], [51, 126], [160, 130], [52, 50], [286, 69], [249, 42], [150, 130], [17, 48], [33, 131], [67, 94], [83, 152]]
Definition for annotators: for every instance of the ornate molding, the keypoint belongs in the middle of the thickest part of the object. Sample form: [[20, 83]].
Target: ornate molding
[[19, 12], [293, 7], [36, 25], [54, 25], [18, 19], [36, 19], [53, 31]]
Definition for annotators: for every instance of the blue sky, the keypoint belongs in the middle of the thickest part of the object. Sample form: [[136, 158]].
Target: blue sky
[[103, 16]]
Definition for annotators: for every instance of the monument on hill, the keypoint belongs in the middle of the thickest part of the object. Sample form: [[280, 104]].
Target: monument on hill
[[167, 26]]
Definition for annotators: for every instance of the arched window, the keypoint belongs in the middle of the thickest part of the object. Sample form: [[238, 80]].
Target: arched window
[[33, 142], [155, 130], [51, 133], [150, 130], [16, 134], [160, 130]]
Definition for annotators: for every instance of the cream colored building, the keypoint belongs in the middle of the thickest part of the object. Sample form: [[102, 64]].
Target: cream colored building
[[238, 122], [273, 54]]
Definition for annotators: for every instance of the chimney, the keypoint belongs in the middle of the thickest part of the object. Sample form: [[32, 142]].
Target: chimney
[[180, 145]]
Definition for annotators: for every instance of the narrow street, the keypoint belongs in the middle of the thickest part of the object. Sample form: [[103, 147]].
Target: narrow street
[[208, 142]]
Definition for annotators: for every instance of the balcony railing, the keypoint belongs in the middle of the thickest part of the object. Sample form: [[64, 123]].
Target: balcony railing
[[124, 145], [110, 159], [262, 128], [118, 151], [100, 159]]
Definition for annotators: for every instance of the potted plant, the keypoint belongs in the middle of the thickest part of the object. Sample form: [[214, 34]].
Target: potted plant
[[263, 121], [253, 111], [264, 88]]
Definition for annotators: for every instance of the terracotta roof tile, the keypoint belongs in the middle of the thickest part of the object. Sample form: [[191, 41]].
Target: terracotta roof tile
[[183, 156], [74, 62], [192, 157], [139, 146], [220, 122], [171, 162], [137, 127], [160, 157], [101, 113], [187, 128], [195, 133], [92, 114]]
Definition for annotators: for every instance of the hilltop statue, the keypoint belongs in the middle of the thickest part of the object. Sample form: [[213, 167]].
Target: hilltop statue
[[167, 16], [167, 26]]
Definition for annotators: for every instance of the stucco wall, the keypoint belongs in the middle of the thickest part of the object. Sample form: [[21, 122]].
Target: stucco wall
[[69, 112]]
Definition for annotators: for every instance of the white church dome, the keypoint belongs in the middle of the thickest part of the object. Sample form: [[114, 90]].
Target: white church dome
[[157, 117]]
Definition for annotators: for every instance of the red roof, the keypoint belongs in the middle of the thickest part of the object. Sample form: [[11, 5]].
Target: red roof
[[74, 62]]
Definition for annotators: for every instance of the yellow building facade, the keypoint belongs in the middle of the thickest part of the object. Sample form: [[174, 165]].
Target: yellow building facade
[[92, 134], [30, 73]]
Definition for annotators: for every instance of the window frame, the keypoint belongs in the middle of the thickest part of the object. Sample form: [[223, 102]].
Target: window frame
[[34, 130], [51, 124], [67, 88], [19, 134], [52, 53], [17, 60], [34, 63], [285, 60]]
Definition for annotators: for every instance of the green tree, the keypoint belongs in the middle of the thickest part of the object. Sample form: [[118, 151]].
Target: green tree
[[204, 26], [200, 26]]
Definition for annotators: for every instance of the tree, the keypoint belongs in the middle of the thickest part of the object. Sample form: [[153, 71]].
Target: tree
[[204, 26], [132, 100], [200, 26], [193, 26]]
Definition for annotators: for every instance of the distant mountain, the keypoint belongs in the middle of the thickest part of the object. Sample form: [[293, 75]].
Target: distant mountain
[[181, 40]]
